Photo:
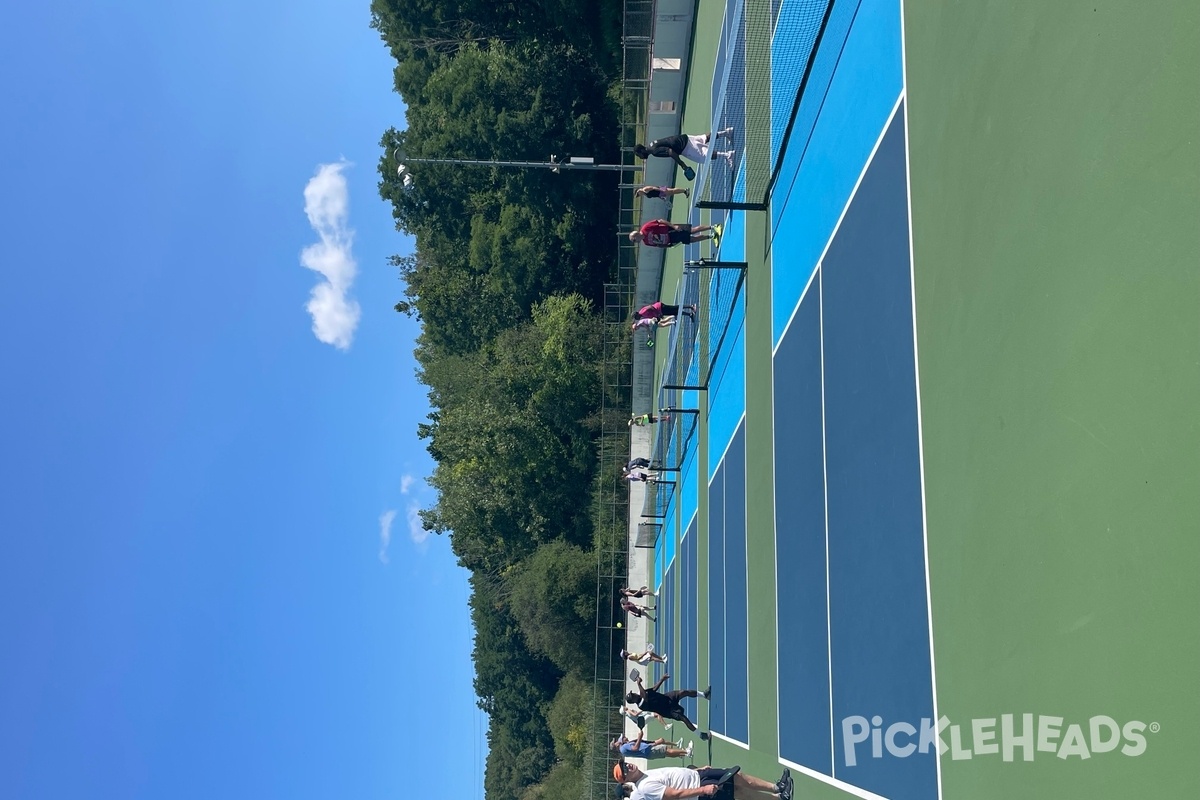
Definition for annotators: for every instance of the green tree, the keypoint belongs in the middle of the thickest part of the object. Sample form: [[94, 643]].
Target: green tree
[[514, 439], [557, 612]]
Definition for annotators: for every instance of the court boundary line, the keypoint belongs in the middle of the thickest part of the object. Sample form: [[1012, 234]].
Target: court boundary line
[[728, 739], [845, 208], [725, 568], [857, 791], [821, 107], [741, 420], [900, 100], [912, 284], [724, 594], [825, 499]]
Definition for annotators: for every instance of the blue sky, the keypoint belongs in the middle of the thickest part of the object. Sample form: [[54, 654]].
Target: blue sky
[[211, 582]]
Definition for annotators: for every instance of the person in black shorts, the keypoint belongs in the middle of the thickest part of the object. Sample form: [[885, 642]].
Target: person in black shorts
[[723, 783], [653, 701], [662, 233], [693, 148], [665, 192]]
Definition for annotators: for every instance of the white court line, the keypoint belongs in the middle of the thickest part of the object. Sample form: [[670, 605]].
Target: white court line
[[912, 272], [725, 594], [842, 216], [834, 782], [725, 738], [825, 490], [775, 350], [724, 453]]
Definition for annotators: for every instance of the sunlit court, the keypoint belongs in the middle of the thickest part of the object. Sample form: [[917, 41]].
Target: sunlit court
[[925, 535]]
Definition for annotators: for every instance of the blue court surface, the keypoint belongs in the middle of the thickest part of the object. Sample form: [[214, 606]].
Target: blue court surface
[[794, 565], [852, 622]]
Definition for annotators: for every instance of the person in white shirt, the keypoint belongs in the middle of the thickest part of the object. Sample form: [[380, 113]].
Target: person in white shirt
[[682, 783]]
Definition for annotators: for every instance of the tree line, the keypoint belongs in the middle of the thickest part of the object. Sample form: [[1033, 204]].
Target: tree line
[[506, 280]]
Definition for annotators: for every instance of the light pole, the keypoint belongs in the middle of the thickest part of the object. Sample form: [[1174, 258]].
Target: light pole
[[554, 165]]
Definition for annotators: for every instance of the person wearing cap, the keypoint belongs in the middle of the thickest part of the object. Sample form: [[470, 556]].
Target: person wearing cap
[[681, 783], [644, 657], [653, 701], [659, 748]]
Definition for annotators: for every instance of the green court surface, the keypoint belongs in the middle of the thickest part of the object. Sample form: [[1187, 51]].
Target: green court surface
[[1053, 169]]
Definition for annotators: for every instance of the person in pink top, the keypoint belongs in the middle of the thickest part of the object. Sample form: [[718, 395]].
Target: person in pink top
[[660, 313]]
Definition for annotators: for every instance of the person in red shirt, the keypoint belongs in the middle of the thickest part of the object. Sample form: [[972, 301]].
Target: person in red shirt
[[660, 233]]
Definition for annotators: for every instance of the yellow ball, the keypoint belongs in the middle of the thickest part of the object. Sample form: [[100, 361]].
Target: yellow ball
[[619, 625]]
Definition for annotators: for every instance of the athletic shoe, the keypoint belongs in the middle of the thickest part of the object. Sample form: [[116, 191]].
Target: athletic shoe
[[725, 133], [717, 231], [784, 782], [706, 693], [664, 657], [687, 192], [679, 743], [669, 725], [691, 746]]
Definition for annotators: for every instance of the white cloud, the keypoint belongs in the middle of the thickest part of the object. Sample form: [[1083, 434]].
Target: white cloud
[[327, 204], [406, 483], [415, 531], [385, 533]]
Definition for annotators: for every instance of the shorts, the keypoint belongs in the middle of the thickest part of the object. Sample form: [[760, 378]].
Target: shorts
[[711, 775], [696, 149], [682, 236], [657, 751]]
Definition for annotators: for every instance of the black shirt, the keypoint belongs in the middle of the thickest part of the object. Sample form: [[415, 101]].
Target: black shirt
[[667, 145], [654, 702]]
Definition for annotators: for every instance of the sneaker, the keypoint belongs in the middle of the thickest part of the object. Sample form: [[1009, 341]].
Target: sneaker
[[679, 743], [706, 693], [664, 657], [691, 746], [687, 192], [669, 725], [725, 133], [717, 231], [784, 781], [728, 158]]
